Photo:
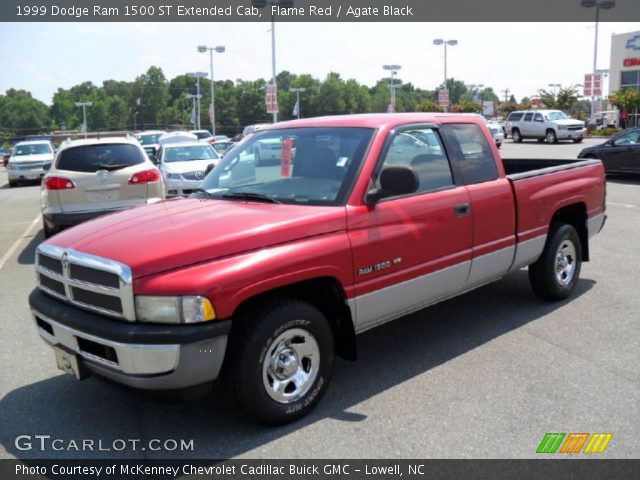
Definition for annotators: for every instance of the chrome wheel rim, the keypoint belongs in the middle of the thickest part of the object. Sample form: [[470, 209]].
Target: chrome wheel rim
[[550, 137], [291, 365], [565, 265]]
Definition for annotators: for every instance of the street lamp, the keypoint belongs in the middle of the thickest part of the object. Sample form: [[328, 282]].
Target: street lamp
[[393, 69], [262, 4], [477, 91], [440, 41], [212, 112], [605, 5], [298, 91], [198, 76], [554, 86], [135, 122], [84, 106], [194, 116]]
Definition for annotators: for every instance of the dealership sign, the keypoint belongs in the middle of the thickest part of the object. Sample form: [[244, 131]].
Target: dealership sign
[[597, 87], [631, 62]]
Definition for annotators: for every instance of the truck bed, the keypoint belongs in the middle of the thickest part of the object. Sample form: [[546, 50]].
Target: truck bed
[[518, 168]]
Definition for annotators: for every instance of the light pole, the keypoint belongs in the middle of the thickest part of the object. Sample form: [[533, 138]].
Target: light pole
[[212, 112], [262, 4], [605, 5], [84, 106], [193, 108], [135, 122], [440, 41], [198, 76], [298, 91], [393, 69]]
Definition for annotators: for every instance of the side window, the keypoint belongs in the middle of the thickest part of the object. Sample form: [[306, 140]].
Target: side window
[[514, 117], [630, 138], [420, 149], [538, 118], [527, 117], [472, 153]]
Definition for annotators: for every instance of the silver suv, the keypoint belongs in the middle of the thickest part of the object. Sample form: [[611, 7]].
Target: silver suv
[[92, 177], [549, 125]]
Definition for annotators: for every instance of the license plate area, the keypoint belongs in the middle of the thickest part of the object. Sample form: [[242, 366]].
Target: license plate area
[[69, 363], [103, 195]]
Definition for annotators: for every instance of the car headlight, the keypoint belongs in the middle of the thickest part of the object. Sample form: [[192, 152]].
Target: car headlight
[[12, 166], [161, 309], [173, 176]]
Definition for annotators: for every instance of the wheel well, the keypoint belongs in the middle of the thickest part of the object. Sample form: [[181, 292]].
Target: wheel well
[[576, 216], [327, 295], [515, 129], [549, 129]]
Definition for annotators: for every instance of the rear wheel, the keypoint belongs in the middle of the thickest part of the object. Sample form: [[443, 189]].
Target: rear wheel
[[515, 136], [282, 359], [551, 136], [555, 274]]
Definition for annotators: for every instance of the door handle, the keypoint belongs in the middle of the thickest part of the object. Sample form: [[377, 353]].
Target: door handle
[[462, 210]]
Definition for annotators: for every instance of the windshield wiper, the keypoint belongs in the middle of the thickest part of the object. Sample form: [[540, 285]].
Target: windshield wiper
[[259, 197], [110, 168], [202, 190]]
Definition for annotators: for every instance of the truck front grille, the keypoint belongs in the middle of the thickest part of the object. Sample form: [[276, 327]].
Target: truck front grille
[[575, 127], [195, 175], [89, 282]]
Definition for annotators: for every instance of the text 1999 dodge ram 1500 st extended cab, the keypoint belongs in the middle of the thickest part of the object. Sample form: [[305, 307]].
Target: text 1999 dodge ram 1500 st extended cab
[[272, 269]]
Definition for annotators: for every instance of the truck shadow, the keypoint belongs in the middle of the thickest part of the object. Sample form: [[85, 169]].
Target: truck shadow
[[629, 179], [389, 355], [28, 254]]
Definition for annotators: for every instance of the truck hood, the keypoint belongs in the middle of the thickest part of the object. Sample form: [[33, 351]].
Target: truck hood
[[180, 232], [568, 121], [188, 166]]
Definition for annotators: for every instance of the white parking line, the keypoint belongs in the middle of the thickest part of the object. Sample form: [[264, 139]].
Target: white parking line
[[17, 243], [15, 223], [625, 205]]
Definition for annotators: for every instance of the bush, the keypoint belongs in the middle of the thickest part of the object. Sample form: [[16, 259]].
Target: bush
[[606, 132]]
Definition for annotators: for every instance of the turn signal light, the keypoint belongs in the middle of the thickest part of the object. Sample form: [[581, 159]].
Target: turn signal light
[[58, 183], [145, 176]]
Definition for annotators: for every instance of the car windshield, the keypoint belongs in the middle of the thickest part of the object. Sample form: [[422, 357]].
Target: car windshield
[[189, 153], [314, 166], [149, 139], [556, 116], [91, 158], [33, 149]]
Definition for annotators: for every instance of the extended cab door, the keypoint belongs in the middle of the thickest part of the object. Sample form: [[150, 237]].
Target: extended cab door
[[474, 160], [412, 250], [527, 125]]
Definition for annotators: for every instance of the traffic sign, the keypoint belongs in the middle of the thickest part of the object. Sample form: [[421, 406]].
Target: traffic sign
[[443, 97], [271, 99]]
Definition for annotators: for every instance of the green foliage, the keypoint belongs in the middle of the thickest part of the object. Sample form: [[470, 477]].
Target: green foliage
[[563, 100], [626, 100], [606, 132], [21, 114]]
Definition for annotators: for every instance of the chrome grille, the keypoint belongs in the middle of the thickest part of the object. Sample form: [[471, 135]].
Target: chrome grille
[[89, 282], [31, 165], [195, 175], [575, 127]]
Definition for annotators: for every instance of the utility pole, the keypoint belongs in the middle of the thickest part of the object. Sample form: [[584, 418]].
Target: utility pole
[[84, 106], [506, 94]]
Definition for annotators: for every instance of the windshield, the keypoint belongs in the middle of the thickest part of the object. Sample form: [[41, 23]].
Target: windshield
[[189, 153], [556, 116], [33, 149], [149, 139], [314, 166]]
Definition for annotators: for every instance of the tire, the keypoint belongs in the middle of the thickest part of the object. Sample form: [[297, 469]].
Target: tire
[[540, 140], [49, 231], [271, 381], [551, 136], [555, 274], [515, 136], [13, 184], [577, 140]]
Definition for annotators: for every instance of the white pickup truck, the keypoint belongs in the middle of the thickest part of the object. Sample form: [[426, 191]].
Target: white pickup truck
[[29, 161]]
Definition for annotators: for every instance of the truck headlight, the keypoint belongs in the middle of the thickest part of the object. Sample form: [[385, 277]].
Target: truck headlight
[[161, 309], [173, 176], [12, 166]]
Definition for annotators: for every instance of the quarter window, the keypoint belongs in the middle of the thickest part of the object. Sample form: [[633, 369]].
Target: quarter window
[[514, 117], [421, 150], [527, 117]]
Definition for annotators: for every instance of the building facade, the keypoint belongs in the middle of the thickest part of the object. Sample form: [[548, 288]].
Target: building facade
[[624, 71]]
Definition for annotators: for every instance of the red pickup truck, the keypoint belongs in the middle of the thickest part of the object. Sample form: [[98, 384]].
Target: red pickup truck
[[270, 270]]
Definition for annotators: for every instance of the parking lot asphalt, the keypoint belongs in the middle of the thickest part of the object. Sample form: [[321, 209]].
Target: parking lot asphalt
[[484, 375]]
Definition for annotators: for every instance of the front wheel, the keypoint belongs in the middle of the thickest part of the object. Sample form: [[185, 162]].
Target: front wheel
[[555, 274], [282, 360], [551, 136], [516, 137]]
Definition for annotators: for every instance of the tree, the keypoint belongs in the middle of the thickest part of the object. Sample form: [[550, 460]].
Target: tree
[[465, 106], [153, 90], [427, 106], [21, 114]]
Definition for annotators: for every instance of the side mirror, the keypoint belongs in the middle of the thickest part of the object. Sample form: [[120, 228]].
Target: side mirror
[[394, 181], [47, 167]]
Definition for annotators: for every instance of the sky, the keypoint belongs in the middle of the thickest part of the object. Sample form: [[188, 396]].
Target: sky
[[523, 57]]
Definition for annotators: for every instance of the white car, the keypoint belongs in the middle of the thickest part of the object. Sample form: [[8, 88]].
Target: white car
[[29, 161], [149, 140], [496, 131], [183, 165]]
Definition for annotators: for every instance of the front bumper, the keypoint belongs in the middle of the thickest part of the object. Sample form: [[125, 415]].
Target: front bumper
[[148, 357], [177, 188], [571, 134], [26, 175], [75, 218]]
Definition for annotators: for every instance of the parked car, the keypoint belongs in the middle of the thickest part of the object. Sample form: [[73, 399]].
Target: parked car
[[5, 154], [249, 129], [204, 135], [92, 177], [149, 140], [183, 166], [619, 154], [273, 271], [549, 125], [222, 146], [176, 137], [496, 132], [28, 161]]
